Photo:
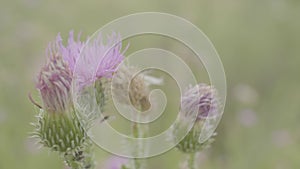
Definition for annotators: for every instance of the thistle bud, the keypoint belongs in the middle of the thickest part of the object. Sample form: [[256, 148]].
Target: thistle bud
[[202, 98], [58, 127], [54, 83], [128, 85]]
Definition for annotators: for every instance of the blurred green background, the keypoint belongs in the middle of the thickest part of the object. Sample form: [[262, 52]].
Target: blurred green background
[[258, 42]]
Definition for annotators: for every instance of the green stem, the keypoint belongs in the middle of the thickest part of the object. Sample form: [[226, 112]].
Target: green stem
[[139, 131], [191, 161], [136, 134]]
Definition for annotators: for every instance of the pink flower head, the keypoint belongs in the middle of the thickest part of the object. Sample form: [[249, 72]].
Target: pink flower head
[[87, 61], [54, 82], [98, 60], [203, 98], [93, 59], [71, 52]]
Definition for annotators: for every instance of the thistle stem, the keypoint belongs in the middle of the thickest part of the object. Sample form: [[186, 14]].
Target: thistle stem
[[191, 161], [136, 133], [139, 131]]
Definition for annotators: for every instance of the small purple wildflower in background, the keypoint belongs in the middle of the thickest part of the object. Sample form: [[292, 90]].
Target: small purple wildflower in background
[[247, 117], [115, 163], [245, 94], [282, 138]]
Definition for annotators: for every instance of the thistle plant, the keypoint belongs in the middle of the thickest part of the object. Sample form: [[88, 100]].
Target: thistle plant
[[58, 126], [131, 88], [204, 99], [90, 65]]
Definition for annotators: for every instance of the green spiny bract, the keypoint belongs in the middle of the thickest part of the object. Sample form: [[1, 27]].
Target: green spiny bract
[[62, 132], [189, 143], [59, 131]]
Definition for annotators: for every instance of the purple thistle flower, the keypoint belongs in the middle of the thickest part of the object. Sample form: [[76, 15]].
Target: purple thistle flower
[[203, 98], [115, 163], [93, 59], [87, 61], [99, 60], [54, 82], [71, 52]]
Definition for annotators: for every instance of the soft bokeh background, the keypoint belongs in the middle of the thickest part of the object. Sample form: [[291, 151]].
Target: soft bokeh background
[[259, 44]]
